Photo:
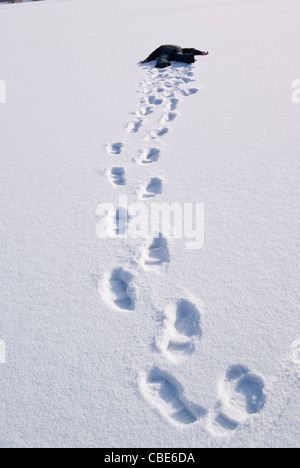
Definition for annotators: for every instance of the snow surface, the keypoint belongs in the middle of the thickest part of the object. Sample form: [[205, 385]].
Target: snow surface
[[128, 343]]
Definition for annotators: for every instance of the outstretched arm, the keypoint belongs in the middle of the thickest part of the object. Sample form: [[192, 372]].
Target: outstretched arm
[[193, 51], [155, 54], [199, 52]]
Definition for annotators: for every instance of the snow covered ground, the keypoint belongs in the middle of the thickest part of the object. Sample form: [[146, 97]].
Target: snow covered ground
[[143, 343]]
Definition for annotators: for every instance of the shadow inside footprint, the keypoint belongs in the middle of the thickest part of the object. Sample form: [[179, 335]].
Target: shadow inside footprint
[[169, 117], [251, 386], [162, 132], [158, 133], [166, 394], [188, 319], [158, 252], [242, 395], [153, 188], [154, 101], [117, 176], [120, 282], [186, 329], [146, 110], [186, 80], [236, 372], [115, 148], [226, 423], [189, 92], [173, 103], [133, 127], [149, 156], [182, 348]]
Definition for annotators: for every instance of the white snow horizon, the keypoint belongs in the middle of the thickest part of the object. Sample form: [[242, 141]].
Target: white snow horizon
[[138, 340]]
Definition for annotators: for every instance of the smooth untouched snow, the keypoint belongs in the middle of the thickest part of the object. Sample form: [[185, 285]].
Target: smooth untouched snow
[[144, 343]]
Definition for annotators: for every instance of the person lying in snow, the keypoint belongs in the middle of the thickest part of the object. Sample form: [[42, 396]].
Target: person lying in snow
[[166, 53]]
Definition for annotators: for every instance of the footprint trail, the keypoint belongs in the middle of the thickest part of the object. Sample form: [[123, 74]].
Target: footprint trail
[[160, 94]]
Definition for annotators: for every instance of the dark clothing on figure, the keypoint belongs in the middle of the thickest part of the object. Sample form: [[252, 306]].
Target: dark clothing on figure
[[193, 51], [172, 53], [166, 53], [156, 53]]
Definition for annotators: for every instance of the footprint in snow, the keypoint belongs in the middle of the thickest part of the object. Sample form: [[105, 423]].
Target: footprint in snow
[[189, 92], [154, 134], [115, 148], [133, 127], [156, 254], [168, 117], [184, 79], [165, 394], [153, 100], [144, 111], [182, 330], [168, 84], [241, 395], [173, 104], [145, 89], [117, 291], [152, 189], [148, 156], [116, 176]]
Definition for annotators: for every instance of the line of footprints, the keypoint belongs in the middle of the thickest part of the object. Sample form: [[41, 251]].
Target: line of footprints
[[241, 393]]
